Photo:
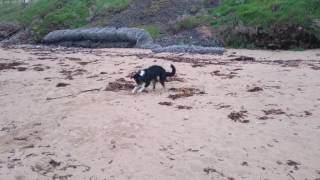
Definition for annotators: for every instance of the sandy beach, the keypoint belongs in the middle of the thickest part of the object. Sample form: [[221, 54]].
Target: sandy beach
[[68, 113]]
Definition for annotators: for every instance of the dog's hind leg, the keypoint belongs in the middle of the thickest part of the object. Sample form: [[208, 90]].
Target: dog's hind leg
[[163, 85], [162, 80], [154, 82]]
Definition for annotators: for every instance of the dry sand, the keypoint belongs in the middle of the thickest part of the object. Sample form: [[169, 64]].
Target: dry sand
[[245, 118]]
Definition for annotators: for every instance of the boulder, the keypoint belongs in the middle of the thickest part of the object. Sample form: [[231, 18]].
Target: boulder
[[119, 37], [7, 30]]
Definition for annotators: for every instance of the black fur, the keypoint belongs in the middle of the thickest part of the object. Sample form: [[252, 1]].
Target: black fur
[[152, 74]]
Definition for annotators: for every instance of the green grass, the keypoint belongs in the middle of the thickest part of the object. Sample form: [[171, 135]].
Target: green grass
[[156, 6], [189, 22], [267, 14], [114, 6], [44, 16], [153, 30], [10, 12], [47, 15]]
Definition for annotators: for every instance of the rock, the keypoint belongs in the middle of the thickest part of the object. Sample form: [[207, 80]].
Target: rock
[[22, 36], [189, 49], [119, 37], [7, 30], [135, 36]]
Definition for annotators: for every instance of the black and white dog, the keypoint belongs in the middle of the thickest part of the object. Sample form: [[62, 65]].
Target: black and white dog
[[152, 74]]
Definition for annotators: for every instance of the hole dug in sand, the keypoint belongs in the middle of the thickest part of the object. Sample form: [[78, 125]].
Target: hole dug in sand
[[175, 78], [62, 84], [231, 75], [273, 112], [184, 92], [164, 103], [183, 107], [120, 84], [255, 89]]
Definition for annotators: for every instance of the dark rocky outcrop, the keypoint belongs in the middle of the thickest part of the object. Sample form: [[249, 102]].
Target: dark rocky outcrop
[[278, 37], [12, 33], [7, 30], [110, 37], [101, 37], [189, 49], [24, 36]]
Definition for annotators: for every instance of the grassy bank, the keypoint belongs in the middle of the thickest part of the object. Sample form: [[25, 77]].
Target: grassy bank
[[237, 23], [10, 12], [263, 13], [47, 15], [265, 16]]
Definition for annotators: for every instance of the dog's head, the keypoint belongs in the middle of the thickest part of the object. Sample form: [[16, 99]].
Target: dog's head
[[139, 77]]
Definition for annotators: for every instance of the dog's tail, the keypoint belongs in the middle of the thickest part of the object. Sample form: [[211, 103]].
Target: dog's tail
[[173, 72]]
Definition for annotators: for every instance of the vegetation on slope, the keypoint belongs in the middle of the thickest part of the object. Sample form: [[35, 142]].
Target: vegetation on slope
[[10, 12], [153, 30], [276, 18], [238, 23], [47, 15]]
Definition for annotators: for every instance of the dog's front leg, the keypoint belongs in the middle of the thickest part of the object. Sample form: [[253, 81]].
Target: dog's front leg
[[143, 86], [134, 90]]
